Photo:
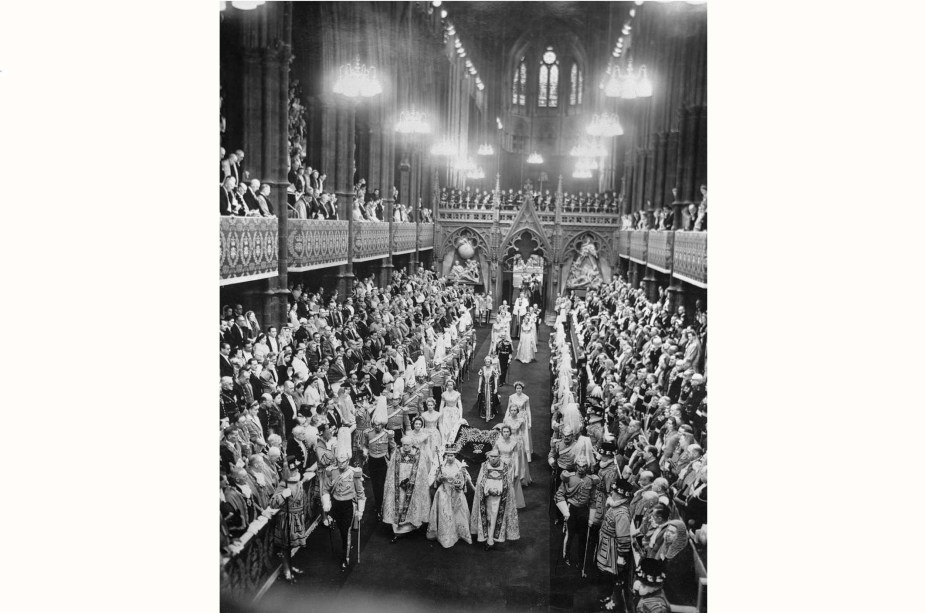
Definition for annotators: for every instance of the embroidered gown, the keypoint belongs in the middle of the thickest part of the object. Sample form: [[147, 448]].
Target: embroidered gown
[[527, 346], [495, 514], [487, 404], [407, 496], [523, 402], [512, 453], [431, 422], [449, 520], [451, 417]]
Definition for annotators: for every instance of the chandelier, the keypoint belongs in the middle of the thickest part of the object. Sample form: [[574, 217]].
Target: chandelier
[[486, 149], [465, 165], [628, 84], [535, 158], [605, 125], [589, 150], [476, 174], [581, 174], [445, 147], [241, 6], [413, 122], [586, 164], [355, 80]]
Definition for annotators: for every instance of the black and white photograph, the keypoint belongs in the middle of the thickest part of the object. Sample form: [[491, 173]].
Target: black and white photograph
[[463, 307], [463, 302]]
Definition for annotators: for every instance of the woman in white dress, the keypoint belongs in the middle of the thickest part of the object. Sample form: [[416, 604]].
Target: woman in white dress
[[451, 413], [527, 346], [521, 402], [431, 420]]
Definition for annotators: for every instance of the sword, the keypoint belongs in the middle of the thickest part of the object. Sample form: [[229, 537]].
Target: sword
[[588, 533]]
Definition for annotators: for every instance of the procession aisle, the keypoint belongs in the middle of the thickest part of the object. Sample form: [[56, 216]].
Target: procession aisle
[[415, 574]]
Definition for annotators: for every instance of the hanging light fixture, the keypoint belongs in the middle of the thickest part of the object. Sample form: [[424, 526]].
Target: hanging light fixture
[[587, 164], [445, 148], [535, 158], [464, 165], [476, 173], [223, 6], [605, 125], [443, 14], [486, 149], [413, 122], [246, 6], [589, 149], [355, 81], [581, 174]]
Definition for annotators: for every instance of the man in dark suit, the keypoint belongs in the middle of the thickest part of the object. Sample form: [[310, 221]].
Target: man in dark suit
[[337, 371], [334, 317], [288, 406], [226, 368], [313, 355], [238, 333], [250, 195], [226, 197]]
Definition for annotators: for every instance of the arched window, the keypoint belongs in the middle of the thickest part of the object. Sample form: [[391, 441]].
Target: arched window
[[519, 86], [549, 80], [575, 83]]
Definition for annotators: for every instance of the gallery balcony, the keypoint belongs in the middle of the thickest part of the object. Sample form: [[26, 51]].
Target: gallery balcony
[[250, 245]]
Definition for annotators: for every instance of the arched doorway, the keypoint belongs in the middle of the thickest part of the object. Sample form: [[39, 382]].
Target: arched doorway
[[525, 259]]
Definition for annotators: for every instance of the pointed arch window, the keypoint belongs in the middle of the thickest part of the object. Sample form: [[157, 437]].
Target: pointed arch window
[[547, 95], [575, 86], [519, 84]]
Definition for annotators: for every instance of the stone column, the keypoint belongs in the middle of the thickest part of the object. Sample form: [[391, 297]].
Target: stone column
[[344, 164], [659, 179]]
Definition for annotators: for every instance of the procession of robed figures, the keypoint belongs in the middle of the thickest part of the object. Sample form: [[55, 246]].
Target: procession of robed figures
[[419, 481]]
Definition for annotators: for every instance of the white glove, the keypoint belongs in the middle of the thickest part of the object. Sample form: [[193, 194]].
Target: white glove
[[287, 493], [326, 503], [361, 505], [563, 508]]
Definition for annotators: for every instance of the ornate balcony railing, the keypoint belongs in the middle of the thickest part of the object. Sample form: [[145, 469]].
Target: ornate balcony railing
[[249, 249], [403, 237], [638, 246], [623, 243], [683, 254], [426, 236], [690, 255], [371, 240], [659, 251], [591, 219], [316, 243], [468, 216]]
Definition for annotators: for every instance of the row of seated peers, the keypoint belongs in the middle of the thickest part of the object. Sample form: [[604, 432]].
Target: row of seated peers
[[630, 439], [581, 202], [283, 395], [239, 195]]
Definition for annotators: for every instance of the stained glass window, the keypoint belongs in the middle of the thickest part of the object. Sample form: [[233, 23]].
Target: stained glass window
[[519, 84], [549, 80], [575, 86]]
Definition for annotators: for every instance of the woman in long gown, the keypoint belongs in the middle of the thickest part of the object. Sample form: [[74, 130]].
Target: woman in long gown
[[522, 403], [512, 452], [451, 413], [407, 495], [449, 518], [431, 420], [527, 346]]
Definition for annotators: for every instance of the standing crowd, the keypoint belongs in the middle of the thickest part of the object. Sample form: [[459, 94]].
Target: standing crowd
[[629, 443]]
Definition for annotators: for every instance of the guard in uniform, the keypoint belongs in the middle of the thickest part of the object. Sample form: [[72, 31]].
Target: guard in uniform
[[572, 499], [504, 350], [378, 447], [651, 575], [608, 473], [344, 497], [612, 554], [562, 455]]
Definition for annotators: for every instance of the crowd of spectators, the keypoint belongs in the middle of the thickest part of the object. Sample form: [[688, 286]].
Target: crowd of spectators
[[693, 217], [285, 391], [239, 195], [630, 407]]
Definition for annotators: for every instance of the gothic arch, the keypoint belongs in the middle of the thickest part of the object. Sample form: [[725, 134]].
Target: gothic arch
[[573, 244], [538, 243], [478, 240]]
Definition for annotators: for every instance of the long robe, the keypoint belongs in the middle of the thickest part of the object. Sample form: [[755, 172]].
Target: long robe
[[406, 497], [449, 519], [487, 404], [502, 506], [512, 452], [523, 402]]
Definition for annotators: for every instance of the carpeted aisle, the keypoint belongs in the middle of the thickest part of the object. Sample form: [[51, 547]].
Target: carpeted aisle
[[415, 574]]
